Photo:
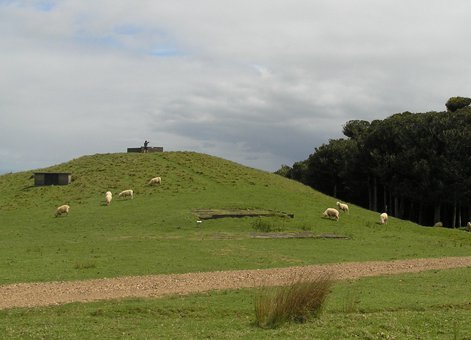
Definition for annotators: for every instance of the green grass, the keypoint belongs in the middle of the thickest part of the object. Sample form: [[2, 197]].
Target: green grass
[[428, 305], [156, 232]]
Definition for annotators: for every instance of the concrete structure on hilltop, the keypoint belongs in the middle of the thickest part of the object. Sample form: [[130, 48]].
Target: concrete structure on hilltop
[[52, 178], [149, 149]]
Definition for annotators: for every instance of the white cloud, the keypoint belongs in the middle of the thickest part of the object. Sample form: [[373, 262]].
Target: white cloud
[[261, 83]]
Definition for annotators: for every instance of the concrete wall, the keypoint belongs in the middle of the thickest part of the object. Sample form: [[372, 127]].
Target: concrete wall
[[52, 178], [149, 149]]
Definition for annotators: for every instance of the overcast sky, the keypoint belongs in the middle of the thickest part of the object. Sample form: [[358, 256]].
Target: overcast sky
[[259, 82]]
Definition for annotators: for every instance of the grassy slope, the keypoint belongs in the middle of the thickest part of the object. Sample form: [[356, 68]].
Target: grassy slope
[[157, 233]]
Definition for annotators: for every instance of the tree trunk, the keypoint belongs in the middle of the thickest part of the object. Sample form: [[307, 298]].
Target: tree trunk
[[437, 212], [335, 190], [396, 206], [370, 200], [401, 207], [454, 215], [385, 200], [421, 211], [459, 215], [375, 194], [411, 211]]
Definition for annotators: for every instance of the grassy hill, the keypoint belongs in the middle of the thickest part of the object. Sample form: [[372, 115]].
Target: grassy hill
[[156, 232]]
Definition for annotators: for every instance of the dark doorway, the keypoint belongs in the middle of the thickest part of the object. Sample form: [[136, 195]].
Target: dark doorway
[[51, 179]]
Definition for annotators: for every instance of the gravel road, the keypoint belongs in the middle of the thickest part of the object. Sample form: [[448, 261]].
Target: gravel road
[[55, 293]]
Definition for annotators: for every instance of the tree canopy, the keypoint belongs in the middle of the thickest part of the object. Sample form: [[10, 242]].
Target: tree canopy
[[456, 103], [411, 165]]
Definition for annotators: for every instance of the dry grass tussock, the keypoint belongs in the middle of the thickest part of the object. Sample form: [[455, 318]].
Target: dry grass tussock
[[296, 302]]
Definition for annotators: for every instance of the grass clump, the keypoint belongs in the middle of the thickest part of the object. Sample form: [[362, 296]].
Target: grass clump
[[266, 225], [85, 265], [295, 302]]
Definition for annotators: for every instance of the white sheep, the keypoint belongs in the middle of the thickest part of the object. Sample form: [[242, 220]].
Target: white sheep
[[469, 226], [383, 218], [63, 209], [342, 206], [331, 212], [108, 197], [155, 180], [126, 193]]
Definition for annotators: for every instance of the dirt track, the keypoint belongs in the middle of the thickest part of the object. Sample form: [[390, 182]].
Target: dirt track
[[54, 293]]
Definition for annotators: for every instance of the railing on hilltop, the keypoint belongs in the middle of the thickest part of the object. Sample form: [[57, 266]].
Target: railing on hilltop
[[149, 149]]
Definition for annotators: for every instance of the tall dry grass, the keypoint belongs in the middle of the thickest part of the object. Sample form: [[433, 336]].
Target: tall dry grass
[[296, 302]]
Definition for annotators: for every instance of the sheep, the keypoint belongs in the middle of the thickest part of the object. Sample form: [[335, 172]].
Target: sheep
[[469, 226], [126, 193], [331, 212], [63, 209], [108, 197], [438, 224], [155, 180], [383, 218], [342, 206]]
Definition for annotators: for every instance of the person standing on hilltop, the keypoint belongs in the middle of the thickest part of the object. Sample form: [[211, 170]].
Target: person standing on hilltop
[[145, 146]]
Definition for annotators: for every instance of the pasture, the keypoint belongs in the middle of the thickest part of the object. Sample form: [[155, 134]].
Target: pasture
[[428, 305], [157, 233]]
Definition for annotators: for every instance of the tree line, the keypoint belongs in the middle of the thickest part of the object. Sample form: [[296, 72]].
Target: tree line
[[414, 166]]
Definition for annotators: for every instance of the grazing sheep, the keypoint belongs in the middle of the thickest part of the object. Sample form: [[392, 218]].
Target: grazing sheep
[[108, 197], [383, 218], [63, 209], [469, 226], [331, 212], [155, 180], [126, 193], [438, 224], [343, 207]]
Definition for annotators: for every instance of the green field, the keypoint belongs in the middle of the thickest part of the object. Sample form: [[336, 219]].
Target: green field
[[429, 305], [157, 232]]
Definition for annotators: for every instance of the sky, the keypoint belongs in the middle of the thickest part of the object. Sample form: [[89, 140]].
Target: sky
[[259, 82]]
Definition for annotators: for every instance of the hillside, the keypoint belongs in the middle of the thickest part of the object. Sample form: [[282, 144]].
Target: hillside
[[182, 173], [157, 233]]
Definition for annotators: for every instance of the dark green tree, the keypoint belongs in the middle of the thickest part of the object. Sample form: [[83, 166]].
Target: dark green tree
[[355, 129], [456, 103], [329, 166], [413, 165], [284, 171], [299, 172]]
